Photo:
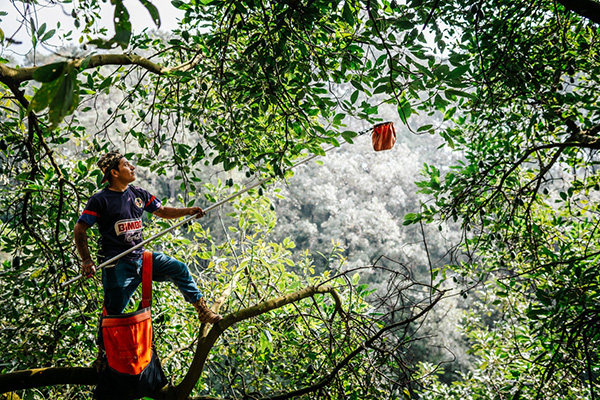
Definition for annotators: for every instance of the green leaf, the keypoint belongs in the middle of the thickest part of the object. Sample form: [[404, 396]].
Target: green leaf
[[357, 84], [228, 165], [66, 99], [41, 98], [41, 29], [458, 72], [50, 72], [449, 113], [60, 96], [384, 88], [32, 27], [48, 35], [404, 110], [122, 25], [411, 218], [348, 135], [153, 11], [347, 14], [380, 59], [440, 103], [105, 83], [453, 92], [338, 118], [563, 195]]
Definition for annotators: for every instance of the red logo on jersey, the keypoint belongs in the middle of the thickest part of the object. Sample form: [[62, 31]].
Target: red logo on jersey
[[127, 226]]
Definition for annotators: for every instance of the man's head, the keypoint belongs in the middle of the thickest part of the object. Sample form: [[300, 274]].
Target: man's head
[[115, 165]]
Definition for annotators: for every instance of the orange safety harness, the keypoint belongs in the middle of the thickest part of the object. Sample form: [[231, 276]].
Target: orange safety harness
[[129, 366]]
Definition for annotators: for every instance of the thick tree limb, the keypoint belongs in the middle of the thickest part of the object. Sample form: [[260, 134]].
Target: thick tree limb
[[87, 376], [206, 343], [588, 138], [589, 9], [19, 75], [15, 76], [47, 377]]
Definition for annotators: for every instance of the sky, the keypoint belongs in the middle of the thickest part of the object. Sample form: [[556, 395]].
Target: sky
[[53, 13]]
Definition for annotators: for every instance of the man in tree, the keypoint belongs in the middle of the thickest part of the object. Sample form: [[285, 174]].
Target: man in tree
[[118, 210]]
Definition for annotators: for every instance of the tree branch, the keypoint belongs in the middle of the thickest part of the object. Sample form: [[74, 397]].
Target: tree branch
[[589, 9], [87, 376], [11, 76], [38, 377], [367, 344], [579, 139], [206, 343]]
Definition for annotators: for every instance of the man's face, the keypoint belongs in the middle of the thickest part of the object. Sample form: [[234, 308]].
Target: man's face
[[126, 172]]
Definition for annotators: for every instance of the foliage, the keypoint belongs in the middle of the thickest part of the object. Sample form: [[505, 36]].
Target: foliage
[[327, 350], [293, 346], [525, 194], [252, 86], [509, 363], [248, 85]]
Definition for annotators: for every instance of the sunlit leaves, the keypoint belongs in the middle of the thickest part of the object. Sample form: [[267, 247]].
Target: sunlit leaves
[[520, 191], [404, 110], [260, 84]]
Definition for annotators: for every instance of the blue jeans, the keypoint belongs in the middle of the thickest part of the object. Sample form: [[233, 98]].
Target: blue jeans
[[121, 281]]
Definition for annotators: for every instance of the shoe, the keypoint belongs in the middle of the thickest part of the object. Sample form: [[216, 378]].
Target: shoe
[[204, 313]]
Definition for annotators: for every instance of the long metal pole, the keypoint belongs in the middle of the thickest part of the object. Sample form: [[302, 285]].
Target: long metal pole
[[182, 222]]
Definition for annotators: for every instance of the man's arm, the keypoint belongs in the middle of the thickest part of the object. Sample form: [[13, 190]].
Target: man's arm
[[81, 242], [172, 212]]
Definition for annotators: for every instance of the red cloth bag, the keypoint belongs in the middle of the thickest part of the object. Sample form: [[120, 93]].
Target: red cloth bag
[[384, 136]]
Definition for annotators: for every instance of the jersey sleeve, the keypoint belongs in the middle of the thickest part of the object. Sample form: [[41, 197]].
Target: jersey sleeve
[[151, 203], [91, 213]]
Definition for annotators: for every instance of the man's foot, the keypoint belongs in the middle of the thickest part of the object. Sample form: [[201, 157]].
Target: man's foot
[[204, 313]]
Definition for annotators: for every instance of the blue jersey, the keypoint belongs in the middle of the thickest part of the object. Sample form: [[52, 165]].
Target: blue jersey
[[119, 218]]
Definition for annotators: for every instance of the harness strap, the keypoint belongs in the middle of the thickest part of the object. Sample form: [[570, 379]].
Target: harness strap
[[146, 279]]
